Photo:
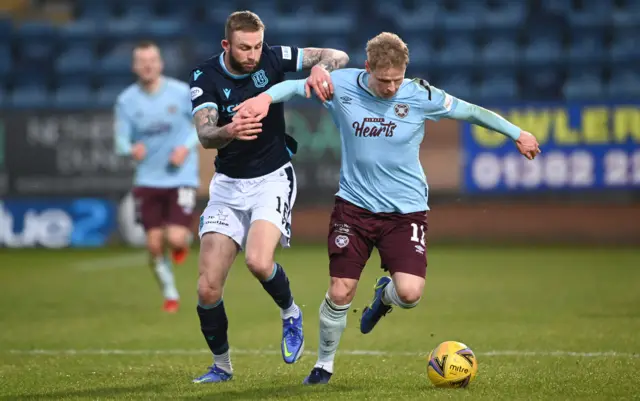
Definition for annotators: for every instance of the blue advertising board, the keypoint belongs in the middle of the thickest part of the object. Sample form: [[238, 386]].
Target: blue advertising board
[[56, 223], [584, 146]]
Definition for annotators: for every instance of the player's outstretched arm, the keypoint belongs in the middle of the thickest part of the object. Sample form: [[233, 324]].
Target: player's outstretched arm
[[474, 114], [258, 106], [213, 137], [322, 62]]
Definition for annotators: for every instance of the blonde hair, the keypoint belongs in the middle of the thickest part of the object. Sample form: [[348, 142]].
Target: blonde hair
[[387, 50], [245, 21]]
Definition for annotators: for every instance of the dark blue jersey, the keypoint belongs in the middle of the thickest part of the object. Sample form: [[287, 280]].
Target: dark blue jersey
[[212, 85]]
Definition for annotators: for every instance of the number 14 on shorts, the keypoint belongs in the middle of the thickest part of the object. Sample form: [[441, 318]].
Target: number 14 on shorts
[[418, 231]]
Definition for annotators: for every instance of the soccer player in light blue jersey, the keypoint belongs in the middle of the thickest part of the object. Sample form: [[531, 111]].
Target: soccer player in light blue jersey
[[153, 124], [382, 196]]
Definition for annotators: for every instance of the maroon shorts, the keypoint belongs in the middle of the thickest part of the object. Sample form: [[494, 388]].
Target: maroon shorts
[[354, 231], [157, 207]]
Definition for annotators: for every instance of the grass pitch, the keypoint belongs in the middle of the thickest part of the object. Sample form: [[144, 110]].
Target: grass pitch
[[545, 323]]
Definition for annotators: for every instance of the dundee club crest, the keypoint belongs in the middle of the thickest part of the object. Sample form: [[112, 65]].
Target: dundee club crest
[[260, 79]]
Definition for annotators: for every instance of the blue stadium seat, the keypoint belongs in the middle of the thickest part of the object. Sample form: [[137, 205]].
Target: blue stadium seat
[[425, 17], [583, 86], [457, 52], [5, 28], [95, 10], [115, 62], [83, 79], [624, 84], [107, 95], [3, 98], [420, 53], [542, 83], [498, 87], [218, 14], [543, 51], [81, 31], [30, 97], [458, 85], [624, 48], [36, 30], [125, 28], [6, 60], [557, 6], [594, 13], [503, 15], [500, 52], [73, 97], [76, 60], [586, 48], [332, 24], [140, 10], [165, 28], [465, 18]]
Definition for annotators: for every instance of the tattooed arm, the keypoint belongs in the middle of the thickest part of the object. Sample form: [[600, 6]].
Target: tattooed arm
[[322, 62], [210, 135], [329, 59], [242, 128]]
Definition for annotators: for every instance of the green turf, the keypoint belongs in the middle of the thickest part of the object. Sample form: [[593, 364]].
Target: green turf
[[493, 299]]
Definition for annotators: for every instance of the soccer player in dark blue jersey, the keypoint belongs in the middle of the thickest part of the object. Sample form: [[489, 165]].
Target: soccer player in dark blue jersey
[[254, 188]]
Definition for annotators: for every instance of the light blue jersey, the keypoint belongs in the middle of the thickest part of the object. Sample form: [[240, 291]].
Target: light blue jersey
[[381, 138], [162, 121]]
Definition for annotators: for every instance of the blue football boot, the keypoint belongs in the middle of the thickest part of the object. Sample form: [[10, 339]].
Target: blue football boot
[[214, 375], [372, 313], [292, 339], [317, 376]]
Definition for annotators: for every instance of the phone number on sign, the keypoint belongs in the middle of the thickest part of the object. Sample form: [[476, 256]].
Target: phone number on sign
[[557, 169]]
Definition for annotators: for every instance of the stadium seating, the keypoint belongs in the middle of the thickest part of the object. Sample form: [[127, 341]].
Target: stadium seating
[[485, 50]]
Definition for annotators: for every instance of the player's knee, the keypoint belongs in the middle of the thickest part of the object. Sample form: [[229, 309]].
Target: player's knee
[[177, 239], [208, 293], [342, 290], [410, 293], [259, 263], [154, 246]]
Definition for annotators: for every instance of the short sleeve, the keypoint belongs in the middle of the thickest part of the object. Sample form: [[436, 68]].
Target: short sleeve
[[435, 102], [202, 89], [288, 57]]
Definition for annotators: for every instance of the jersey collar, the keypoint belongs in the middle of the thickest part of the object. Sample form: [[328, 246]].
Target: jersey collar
[[363, 83], [229, 73]]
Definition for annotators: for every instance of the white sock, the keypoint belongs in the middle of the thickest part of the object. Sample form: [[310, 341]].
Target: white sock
[[390, 297], [223, 361], [164, 273], [333, 320], [292, 311]]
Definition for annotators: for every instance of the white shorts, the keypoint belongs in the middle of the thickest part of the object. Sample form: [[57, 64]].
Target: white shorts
[[235, 203]]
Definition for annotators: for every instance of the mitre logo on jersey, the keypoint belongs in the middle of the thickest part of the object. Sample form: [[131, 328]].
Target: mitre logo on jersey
[[401, 110], [260, 79], [373, 127]]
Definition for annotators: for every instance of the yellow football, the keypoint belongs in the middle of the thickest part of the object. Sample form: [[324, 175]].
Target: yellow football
[[452, 364]]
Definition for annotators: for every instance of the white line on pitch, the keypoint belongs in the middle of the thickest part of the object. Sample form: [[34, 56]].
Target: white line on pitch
[[111, 262], [599, 354]]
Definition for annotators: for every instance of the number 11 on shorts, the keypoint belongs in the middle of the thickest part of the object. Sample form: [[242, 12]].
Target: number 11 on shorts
[[415, 237]]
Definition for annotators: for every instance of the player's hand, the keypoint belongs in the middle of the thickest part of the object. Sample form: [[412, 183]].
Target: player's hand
[[138, 151], [527, 145], [179, 155], [257, 107], [244, 128], [320, 81]]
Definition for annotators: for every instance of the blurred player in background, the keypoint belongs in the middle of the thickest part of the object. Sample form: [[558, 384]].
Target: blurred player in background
[[153, 125], [382, 197], [254, 188]]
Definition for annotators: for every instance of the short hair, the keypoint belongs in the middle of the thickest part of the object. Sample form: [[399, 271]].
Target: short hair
[[387, 50], [242, 21], [145, 44]]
